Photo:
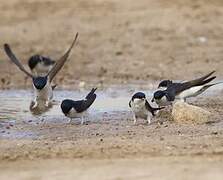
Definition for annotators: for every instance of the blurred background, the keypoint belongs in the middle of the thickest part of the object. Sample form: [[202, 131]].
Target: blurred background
[[124, 41]]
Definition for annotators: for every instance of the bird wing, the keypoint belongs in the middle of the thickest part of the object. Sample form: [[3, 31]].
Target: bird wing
[[91, 93], [152, 109], [83, 105], [198, 82], [59, 64], [13, 58], [176, 88]]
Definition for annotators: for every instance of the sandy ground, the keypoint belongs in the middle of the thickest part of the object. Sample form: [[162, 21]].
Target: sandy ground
[[129, 42]]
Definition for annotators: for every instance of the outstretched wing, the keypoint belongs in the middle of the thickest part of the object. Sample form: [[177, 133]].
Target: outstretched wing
[[13, 58], [59, 64]]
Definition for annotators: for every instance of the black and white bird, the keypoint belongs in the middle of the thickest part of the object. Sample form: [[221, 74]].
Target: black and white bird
[[78, 109], [40, 65], [141, 107], [182, 91], [41, 84]]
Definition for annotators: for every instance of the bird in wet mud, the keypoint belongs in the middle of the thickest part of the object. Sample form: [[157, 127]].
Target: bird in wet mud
[[181, 91], [141, 107], [41, 84], [78, 108]]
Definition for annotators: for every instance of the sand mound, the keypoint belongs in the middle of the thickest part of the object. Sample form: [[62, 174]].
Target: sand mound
[[185, 113]]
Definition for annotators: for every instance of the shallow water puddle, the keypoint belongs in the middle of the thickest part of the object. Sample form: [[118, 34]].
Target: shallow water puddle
[[110, 102]]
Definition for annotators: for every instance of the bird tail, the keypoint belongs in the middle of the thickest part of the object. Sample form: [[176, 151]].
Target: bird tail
[[206, 76], [198, 82], [91, 93], [209, 85], [206, 81], [89, 99]]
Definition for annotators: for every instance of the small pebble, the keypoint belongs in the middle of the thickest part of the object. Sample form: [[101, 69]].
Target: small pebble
[[215, 133], [161, 138]]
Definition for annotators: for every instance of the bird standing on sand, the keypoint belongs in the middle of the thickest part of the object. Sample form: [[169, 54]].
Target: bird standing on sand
[[182, 91], [78, 109], [141, 107]]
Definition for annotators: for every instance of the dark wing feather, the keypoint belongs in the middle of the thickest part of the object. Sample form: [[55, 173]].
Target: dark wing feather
[[59, 64], [13, 58], [198, 82], [177, 88], [151, 109], [130, 104], [83, 105], [91, 93]]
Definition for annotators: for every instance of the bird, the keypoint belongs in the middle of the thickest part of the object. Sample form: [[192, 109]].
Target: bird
[[78, 109], [141, 107], [181, 91], [43, 91], [167, 83], [40, 65]]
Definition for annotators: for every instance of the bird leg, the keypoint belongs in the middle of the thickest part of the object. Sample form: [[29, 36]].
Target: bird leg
[[149, 119], [47, 102], [82, 120], [69, 120], [35, 104], [134, 118]]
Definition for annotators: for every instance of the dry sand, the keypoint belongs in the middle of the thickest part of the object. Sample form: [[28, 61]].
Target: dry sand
[[126, 41]]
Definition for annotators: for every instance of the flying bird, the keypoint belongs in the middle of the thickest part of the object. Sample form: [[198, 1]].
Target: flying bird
[[42, 84], [78, 109], [141, 107], [40, 65], [182, 91]]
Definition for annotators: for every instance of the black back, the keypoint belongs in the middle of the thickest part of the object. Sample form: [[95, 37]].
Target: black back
[[81, 105], [34, 60]]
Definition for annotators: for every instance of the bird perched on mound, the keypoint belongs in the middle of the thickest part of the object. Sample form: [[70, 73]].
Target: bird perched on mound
[[141, 107], [182, 91], [78, 109]]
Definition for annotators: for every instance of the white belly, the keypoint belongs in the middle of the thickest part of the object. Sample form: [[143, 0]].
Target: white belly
[[74, 114], [41, 69], [44, 94], [138, 107], [192, 92]]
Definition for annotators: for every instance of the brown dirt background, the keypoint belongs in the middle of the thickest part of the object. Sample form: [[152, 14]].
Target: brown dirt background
[[120, 42]]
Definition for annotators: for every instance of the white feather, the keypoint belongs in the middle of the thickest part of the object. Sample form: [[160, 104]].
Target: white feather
[[191, 92], [42, 98], [139, 109], [74, 114], [41, 69]]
